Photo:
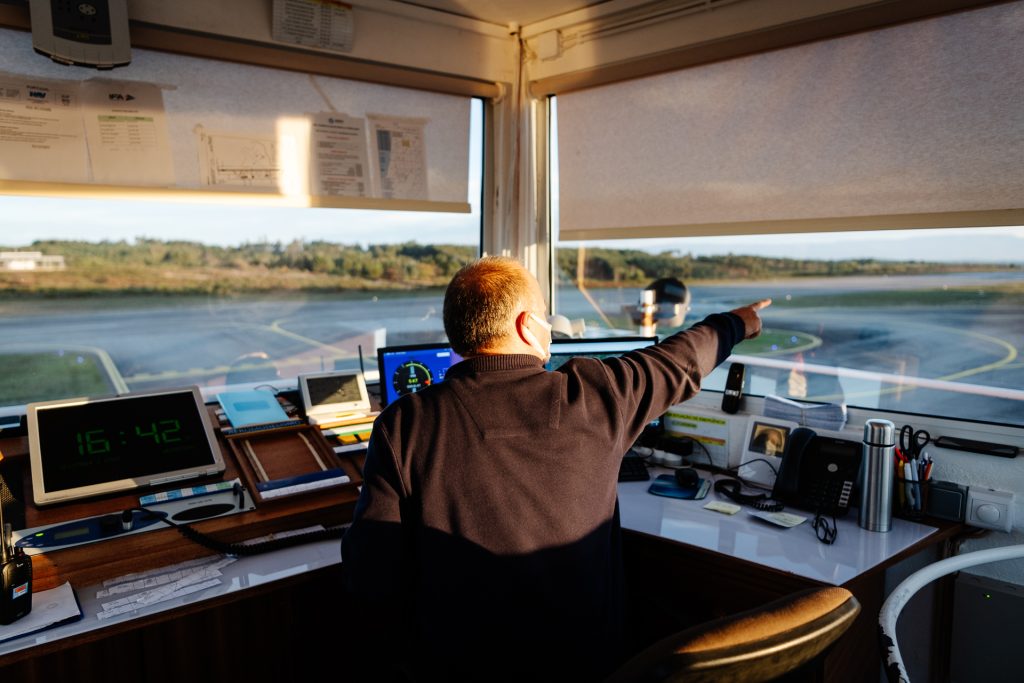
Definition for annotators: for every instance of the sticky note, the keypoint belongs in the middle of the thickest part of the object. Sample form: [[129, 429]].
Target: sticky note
[[723, 507]]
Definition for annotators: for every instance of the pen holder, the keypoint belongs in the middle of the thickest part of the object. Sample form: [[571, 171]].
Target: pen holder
[[911, 498]]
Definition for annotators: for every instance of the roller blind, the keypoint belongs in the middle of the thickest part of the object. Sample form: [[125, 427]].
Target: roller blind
[[916, 125], [220, 116]]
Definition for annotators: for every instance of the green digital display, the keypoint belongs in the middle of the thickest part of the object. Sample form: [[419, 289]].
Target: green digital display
[[129, 437]]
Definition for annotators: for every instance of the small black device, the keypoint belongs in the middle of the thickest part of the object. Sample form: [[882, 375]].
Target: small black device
[[947, 500], [733, 388], [687, 477], [633, 468], [818, 473], [15, 577]]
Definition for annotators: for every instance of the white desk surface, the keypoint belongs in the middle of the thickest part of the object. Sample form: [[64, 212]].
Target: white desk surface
[[246, 572], [795, 550]]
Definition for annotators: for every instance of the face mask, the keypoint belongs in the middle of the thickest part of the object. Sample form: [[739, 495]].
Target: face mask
[[535, 343]]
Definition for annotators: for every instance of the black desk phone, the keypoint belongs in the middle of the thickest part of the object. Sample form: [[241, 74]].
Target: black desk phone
[[818, 473]]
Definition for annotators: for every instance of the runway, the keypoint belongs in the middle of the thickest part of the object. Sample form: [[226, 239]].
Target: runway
[[161, 342]]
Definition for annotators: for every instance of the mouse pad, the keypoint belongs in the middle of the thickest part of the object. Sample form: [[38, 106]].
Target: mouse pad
[[666, 485]]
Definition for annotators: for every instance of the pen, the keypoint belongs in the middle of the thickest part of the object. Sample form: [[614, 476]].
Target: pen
[[908, 473]]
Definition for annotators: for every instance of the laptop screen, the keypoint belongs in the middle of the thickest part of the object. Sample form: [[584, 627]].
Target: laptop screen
[[408, 369], [87, 447], [563, 350]]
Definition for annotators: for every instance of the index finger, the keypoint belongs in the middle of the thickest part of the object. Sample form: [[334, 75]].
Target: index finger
[[763, 303]]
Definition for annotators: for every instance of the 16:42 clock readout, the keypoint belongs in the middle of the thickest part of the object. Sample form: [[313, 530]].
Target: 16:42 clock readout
[[100, 441]]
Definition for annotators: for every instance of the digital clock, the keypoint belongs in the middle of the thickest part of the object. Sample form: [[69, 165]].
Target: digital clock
[[85, 447]]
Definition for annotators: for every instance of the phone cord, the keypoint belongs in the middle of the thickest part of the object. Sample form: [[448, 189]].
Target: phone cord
[[246, 549], [730, 488]]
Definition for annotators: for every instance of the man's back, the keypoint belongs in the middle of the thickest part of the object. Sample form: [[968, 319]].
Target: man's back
[[497, 490]]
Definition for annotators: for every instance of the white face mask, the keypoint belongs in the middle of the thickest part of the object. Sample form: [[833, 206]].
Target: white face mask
[[531, 338]]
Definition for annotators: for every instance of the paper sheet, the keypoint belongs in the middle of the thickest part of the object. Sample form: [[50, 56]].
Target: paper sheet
[[148, 588], [399, 148], [319, 23], [237, 160], [41, 134], [49, 608], [338, 155], [126, 128]]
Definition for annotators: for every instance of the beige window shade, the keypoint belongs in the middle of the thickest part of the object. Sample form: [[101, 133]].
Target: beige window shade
[[917, 125], [204, 96]]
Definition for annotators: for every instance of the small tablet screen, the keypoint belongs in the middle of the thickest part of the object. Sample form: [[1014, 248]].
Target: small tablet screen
[[334, 392]]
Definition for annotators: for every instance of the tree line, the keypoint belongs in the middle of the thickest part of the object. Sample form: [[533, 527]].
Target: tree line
[[330, 265]]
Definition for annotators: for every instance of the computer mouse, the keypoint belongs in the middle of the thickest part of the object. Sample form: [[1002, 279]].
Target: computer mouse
[[687, 477]]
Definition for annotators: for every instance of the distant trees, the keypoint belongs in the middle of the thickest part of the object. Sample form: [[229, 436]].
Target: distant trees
[[407, 262], [632, 266], [149, 265]]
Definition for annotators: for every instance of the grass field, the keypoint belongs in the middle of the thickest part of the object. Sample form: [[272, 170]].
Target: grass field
[[47, 375]]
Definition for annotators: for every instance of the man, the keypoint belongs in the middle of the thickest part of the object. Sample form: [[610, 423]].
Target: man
[[485, 543]]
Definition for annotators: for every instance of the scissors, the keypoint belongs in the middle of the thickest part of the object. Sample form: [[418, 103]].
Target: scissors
[[912, 442]]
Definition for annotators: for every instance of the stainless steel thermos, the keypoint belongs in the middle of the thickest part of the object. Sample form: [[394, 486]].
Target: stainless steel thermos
[[876, 475]]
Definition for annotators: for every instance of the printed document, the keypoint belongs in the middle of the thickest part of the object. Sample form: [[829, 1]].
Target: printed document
[[126, 127], [41, 135]]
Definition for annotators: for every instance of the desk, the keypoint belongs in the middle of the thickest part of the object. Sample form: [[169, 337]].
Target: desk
[[704, 564], [272, 617]]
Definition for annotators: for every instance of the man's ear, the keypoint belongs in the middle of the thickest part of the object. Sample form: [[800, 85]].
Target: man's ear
[[521, 327], [525, 333]]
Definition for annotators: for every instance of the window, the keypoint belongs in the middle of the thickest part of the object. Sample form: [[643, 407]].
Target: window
[[923, 321], [152, 295], [861, 182], [223, 283], [918, 321]]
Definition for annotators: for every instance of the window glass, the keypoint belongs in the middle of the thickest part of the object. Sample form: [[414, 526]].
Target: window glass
[[919, 321], [101, 296]]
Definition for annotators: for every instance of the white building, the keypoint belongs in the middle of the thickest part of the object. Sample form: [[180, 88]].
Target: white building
[[30, 260]]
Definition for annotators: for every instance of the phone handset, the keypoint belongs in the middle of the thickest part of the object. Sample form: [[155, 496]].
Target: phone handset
[[818, 472]]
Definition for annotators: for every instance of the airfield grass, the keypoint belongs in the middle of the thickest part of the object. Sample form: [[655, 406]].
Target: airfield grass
[[29, 377]]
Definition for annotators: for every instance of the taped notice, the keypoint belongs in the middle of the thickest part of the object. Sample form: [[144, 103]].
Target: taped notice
[[705, 427]]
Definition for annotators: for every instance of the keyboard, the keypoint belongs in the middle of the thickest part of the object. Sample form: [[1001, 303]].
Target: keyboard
[[633, 468]]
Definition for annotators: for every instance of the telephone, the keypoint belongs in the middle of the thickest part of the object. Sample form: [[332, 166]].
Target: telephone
[[818, 473]]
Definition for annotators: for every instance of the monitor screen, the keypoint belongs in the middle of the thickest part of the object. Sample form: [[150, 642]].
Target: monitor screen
[[408, 369], [85, 447], [562, 350]]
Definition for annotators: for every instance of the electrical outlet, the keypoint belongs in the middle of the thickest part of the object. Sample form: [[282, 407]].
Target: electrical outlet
[[989, 509]]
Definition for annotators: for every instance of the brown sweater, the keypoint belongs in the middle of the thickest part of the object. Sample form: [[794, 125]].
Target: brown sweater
[[487, 530]]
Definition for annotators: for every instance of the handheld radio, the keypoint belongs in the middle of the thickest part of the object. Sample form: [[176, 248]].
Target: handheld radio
[[15, 577]]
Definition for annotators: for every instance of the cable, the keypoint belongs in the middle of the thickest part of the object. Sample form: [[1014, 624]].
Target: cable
[[241, 549], [730, 488]]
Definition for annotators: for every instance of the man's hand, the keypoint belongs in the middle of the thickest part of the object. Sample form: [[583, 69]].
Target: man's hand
[[751, 320]]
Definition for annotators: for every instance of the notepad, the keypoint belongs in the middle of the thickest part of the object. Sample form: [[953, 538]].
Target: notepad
[[251, 408], [49, 608]]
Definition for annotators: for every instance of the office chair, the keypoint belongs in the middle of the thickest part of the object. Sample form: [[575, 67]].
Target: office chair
[[757, 645], [895, 670]]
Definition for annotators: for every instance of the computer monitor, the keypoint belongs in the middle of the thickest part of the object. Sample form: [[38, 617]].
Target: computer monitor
[[563, 350], [408, 369]]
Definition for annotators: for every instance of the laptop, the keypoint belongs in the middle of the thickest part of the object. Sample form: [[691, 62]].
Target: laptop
[[330, 397], [85, 447]]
